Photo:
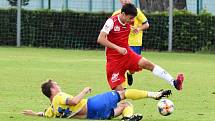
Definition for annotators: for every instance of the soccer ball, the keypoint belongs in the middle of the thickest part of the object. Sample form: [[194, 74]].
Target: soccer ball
[[165, 107]]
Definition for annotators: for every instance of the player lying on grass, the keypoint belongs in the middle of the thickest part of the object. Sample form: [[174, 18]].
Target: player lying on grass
[[101, 106]]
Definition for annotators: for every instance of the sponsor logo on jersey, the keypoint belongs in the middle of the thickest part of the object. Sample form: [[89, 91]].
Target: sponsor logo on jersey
[[115, 77], [117, 28]]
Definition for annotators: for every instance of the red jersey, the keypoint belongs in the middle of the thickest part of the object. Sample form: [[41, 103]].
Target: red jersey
[[118, 33], [117, 64]]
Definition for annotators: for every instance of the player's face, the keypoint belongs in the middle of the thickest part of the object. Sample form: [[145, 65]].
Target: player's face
[[55, 87], [128, 18], [123, 2]]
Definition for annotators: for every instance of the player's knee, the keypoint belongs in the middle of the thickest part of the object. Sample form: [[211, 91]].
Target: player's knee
[[118, 88], [122, 94], [127, 103], [124, 104], [146, 64]]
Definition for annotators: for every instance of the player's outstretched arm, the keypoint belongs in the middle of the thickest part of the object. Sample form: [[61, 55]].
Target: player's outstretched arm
[[75, 100], [32, 113]]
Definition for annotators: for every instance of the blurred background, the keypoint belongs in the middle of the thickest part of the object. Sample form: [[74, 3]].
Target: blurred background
[[111, 5], [187, 26]]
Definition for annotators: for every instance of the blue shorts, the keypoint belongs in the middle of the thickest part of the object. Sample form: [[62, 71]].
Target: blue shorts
[[137, 49], [102, 106]]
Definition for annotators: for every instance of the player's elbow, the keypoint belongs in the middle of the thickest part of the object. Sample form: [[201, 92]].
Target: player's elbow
[[99, 40], [146, 25], [75, 102], [72, 102]]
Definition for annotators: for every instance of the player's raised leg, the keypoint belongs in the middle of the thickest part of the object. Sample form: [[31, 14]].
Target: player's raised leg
[[160, 72]]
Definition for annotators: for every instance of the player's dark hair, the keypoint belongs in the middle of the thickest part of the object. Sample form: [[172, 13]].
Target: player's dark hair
[[129, 9], [46, 88]]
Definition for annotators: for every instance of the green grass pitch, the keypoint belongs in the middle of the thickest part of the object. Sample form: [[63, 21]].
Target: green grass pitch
[[22, 70]]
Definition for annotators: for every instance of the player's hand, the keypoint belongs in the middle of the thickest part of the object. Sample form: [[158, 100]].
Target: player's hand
[[135, 30], [122, 51], [87, 90], [29, 113]]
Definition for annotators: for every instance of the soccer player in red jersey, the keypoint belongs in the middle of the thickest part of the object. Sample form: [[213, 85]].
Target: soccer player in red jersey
[[120, 58], [138, 25]]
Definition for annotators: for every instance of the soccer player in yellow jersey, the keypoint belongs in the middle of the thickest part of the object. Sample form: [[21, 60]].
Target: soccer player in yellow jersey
[[139, 24], [102, 106]]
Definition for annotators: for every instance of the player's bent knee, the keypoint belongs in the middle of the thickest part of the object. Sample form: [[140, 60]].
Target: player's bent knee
[[122, 94], [126, 104], [118, 88], [145, 64]]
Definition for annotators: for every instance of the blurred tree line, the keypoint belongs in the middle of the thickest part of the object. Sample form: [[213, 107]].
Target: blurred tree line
[[147, 5], [161, 5]]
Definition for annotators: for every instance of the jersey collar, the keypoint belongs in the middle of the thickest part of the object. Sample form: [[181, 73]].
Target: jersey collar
[[120, 20]]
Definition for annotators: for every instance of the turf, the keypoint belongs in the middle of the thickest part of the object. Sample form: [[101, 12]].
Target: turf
[[24, 69]]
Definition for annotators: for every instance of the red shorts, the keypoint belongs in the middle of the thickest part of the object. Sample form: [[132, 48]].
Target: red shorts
[[116, 68]]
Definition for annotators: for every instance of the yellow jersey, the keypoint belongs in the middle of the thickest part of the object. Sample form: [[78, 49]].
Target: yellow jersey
[[60, 109], [135, 39]]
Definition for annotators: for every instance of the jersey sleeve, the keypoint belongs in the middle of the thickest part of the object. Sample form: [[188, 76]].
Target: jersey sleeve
[[108, 26], [63, 98], [48, 112], [141, 17]]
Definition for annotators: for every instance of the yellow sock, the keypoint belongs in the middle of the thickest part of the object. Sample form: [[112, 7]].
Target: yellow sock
[[135, 94], [128, 111], [125, 84]]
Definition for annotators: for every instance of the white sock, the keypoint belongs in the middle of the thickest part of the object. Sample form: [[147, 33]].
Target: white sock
[[160, 72], [154, 94]]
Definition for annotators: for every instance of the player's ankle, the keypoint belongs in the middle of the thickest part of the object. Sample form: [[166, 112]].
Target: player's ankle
[[154, 95]]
